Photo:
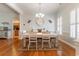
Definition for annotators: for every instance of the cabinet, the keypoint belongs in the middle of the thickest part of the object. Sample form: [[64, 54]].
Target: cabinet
[[3, 32]]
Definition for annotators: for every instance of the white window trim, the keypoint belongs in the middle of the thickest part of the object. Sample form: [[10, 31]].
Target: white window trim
[[59, 25], [76, 15]]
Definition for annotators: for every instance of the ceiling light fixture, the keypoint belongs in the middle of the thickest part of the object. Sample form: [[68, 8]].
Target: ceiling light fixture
[[39, 14]]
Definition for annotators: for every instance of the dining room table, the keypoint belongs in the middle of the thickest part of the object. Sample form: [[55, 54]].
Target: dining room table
[[39, 35]]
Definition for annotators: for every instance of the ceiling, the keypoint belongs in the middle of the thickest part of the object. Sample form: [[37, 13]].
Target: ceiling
[[33, 8]]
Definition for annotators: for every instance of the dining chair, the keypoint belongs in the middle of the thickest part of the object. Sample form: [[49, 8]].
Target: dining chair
[[46, 41], [32, 41], [25, 41], [53, 41], [39, 42]]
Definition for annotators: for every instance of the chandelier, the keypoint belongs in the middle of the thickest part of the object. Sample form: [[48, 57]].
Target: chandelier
[[39, 14]]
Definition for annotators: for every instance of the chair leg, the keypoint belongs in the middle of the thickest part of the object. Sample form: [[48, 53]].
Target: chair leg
[[24, 43], [36, 45], [29, 46], [42, 44], [49, 44]]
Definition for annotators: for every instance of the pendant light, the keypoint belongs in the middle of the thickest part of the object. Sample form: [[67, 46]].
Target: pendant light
[[39, 14]]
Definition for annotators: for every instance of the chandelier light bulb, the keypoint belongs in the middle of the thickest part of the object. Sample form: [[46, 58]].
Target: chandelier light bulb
[[39, 15]]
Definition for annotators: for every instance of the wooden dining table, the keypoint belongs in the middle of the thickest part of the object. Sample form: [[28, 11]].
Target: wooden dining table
[[38, 35]]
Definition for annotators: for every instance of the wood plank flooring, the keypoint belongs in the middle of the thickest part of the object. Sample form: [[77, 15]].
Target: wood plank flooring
[[10, 48]]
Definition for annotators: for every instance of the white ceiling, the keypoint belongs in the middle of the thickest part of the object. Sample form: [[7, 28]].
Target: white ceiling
[[33, 8]]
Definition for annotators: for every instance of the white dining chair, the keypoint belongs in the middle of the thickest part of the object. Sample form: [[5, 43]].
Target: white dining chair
[[53, 41], [46, 39], [32, 39]]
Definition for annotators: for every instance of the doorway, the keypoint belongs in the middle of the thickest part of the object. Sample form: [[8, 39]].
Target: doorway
[[16, 28]]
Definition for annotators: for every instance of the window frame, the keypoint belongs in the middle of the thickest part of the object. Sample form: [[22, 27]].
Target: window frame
[[76, 23], [59, 25]]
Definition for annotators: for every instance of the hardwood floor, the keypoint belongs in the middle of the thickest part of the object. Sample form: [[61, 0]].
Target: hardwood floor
[[10, 48]]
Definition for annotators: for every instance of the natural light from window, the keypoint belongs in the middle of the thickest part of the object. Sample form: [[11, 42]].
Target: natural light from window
[[59, 25], [74, 23]]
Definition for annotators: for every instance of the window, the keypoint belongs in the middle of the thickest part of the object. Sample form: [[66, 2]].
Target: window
[[74, 23], [78, 31], [59, 25], [77, 23], [72, 31]]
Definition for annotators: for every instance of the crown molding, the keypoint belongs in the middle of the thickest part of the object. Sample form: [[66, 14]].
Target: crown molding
[[14, 7]]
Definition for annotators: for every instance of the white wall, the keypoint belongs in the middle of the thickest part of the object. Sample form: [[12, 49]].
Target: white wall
[[64, 11], [7, 15]]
